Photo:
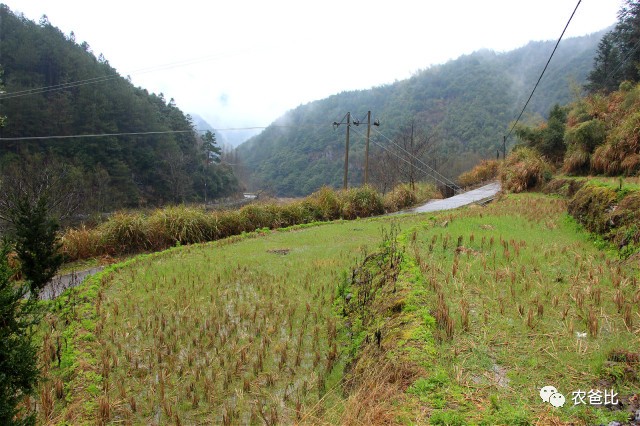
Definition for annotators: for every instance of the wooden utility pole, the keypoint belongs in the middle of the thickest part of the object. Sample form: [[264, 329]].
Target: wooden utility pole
[[366, 150], [411, 179], [346, 152], [504, 147]]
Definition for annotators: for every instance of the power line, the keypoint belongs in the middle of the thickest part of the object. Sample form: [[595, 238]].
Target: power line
[[62, 86], [450, 182], [31, 138], [98, 135], [77, 83], [543, 71], [428, 173], [624, 62]]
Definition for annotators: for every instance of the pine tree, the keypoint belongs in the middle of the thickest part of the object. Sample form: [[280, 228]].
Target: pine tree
[[37, 242], [618, 54], [18, 370]]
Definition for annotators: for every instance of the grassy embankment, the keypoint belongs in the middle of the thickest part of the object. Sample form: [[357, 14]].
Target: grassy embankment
[[492, 304], [461, 318]]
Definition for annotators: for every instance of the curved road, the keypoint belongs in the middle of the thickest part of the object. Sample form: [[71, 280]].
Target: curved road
[[470, 197]]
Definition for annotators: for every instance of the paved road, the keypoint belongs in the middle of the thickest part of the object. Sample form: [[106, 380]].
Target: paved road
[[456, 201], [60, 283]]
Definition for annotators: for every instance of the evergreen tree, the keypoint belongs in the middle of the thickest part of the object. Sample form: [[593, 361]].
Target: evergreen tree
[[548, 138], [32, 201], [18, 370], [618, 54], [37, 242], [210, 147]]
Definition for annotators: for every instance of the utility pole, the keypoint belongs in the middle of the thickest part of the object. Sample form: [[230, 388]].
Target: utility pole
[[366, 150], [504, 147], [346, 148], [346, 152], [413, 185]]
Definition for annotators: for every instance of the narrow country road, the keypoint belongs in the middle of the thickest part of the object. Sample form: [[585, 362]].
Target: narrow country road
[[60, 283], [459, 200]]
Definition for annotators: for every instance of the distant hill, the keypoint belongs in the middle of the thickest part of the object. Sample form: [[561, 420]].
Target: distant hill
[[466, 105], [56, 86], [201, 125]]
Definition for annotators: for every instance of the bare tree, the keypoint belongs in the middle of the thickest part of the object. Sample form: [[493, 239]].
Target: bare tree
[[405, 159], [33, 199], [177, 178], [35, 179]]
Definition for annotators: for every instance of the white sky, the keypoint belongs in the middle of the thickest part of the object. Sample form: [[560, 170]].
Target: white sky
[[249, 61]]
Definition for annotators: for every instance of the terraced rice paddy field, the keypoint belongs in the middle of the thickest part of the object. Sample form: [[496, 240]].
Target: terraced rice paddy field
[[497, 302]]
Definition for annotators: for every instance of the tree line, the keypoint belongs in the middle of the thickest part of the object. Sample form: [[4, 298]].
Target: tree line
[[597, 133], [464, 107], [38, 60]]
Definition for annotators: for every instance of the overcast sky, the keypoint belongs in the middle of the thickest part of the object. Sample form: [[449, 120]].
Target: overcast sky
[[246, 62]]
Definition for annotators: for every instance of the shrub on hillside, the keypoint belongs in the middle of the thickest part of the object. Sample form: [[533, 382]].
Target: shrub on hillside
[[621, 153], [484, 171], [524, 169]]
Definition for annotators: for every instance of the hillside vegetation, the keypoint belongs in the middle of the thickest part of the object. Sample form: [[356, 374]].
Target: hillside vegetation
[[465, 105], [56, 86]]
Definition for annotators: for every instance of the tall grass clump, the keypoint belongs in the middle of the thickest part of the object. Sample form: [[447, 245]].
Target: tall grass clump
[[297, 212], [484, 171], [400, 197], [124, 233], [325, 204], [178, 224], [260, 215], [403, 196], [81, 243], [582, 139], [223, 224], [621, 153], [524, 169], [359, 202]]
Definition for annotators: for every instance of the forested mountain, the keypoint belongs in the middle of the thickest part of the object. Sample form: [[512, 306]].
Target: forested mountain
[[57, 87], [463, 108]]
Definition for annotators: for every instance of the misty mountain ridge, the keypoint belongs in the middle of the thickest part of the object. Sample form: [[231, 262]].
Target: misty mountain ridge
[[467, 103], [227, 139]]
